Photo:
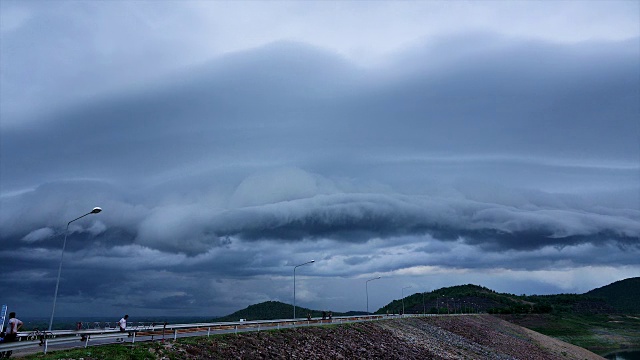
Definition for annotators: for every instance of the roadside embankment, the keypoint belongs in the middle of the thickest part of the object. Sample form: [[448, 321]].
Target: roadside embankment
[[440, 337]]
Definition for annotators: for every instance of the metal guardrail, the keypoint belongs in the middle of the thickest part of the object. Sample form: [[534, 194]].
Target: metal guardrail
[[151, 331]]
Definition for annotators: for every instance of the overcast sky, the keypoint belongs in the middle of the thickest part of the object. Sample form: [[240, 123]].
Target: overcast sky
[[430, 143]]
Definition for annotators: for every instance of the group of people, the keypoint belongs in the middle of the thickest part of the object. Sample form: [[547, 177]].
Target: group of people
[[324, 316], [122, 326], [14, 325]]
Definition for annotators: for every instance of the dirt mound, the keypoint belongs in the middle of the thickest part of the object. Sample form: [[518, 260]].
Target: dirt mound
[[441, 337]]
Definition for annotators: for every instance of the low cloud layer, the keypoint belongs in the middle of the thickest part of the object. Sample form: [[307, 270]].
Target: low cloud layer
[[468, 157]]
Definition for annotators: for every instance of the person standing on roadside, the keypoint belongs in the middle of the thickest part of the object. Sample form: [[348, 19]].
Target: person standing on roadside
[[11, 334], [122, 324], [13, 326]]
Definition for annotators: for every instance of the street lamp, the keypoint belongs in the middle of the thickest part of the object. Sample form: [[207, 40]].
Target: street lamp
[[424, 308], [367, 289], [406, 287], [294, 286], [64, 244]]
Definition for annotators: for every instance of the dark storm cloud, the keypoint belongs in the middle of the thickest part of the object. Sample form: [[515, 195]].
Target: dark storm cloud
[[354, 217], [533, 100], [195, 228], [488, 94], [503, 149], [290, 103]]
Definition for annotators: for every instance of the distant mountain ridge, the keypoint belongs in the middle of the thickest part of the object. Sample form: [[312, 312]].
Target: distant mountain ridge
[[462, 299], [619, 297], [270, 310], [623, 295]]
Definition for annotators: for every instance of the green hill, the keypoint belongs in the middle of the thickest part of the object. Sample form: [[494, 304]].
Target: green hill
[[473, 298], [460, 299], [623, 295], [270, 310]]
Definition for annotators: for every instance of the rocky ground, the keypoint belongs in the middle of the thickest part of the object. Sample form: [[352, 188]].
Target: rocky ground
[[446, 337]]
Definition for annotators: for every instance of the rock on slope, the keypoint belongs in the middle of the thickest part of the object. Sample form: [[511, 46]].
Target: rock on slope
[[442, 337]]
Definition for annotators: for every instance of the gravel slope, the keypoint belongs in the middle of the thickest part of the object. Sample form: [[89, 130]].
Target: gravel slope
[[445, 337]]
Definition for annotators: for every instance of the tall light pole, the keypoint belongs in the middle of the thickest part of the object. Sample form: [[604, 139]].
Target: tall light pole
[[294, 286], [367, 289], [406, 287], [64, 244]]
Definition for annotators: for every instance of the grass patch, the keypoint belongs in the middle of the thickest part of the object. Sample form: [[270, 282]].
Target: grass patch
[[598, 333], [560, 326], [142, 351]]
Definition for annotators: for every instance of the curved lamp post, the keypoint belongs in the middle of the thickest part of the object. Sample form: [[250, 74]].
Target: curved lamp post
[[367, 289], [406, 287], [64, 244], [294, 286]]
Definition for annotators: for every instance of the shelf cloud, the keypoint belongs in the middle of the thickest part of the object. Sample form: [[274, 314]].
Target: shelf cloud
[[467, 154]]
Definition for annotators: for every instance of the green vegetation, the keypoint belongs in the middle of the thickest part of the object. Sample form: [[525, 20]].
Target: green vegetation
[[623, 295], [616, 298], [460, 299], [599, 333], [141, 351]]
